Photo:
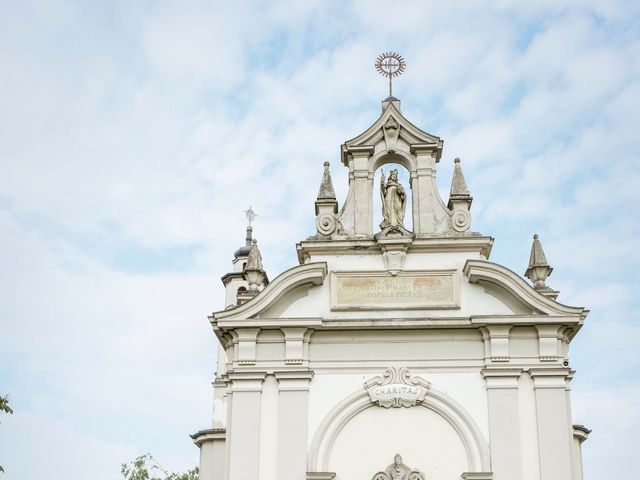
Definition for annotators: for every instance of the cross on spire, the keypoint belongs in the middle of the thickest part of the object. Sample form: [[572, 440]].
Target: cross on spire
[[390, 64], [250, 214]]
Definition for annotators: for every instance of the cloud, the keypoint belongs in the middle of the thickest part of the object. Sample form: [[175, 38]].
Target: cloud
[[133, 136]]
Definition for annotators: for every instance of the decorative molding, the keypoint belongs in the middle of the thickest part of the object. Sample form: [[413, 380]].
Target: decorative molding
[[350, 246], [499, 342], [501, 378], [320, 475], [294, 345], [484, 271], [246, 353], [328, 223], [397, 388], [551, 377], [293, 381], [460, 220], [409, 132], [309, 275], [476, 446], [246, 381], [549, 339], [391, 129], [399, 471], [208, 435]]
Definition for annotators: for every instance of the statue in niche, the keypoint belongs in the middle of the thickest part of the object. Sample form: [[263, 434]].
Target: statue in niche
[[393, 201]]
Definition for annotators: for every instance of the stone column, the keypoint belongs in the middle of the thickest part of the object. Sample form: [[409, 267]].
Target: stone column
[[212, 456], [292, 424], [580, 434], [362, 194], [428, 213], [554, 425], [244, 441], [504, 422]]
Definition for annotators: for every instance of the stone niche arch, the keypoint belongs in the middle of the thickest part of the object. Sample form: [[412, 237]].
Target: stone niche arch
[[476, 448], [408, 162], [405, 159]]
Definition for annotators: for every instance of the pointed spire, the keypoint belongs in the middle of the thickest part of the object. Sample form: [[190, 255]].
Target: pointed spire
[[326, 201], [255, 259], [537, 257], [458, 183], [539, 269], [459, 200], [326, 191]]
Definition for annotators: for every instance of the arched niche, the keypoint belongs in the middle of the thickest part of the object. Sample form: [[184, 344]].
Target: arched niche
[[444, 410], [376, 164], [403, 158]]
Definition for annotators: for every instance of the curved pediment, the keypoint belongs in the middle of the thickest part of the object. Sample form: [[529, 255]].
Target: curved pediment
[[481, 271], [292, 281], [390, 126]]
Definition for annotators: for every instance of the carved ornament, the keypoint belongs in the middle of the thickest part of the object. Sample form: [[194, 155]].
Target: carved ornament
[[397, 388], [391, 129], [399, 471], [327, 224]]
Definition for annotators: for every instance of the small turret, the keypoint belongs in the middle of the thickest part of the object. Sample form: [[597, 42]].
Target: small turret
[[459, 200], [539, 269], [244, 250], [235, 282]]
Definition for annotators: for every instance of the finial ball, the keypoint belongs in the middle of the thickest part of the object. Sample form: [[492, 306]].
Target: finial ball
[[456, 160], [326, 164], [535, 236]]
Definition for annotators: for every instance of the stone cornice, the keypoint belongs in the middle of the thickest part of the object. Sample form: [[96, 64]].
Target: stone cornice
[[473, 322], [501, 378], [360, 150], [553, 377], [336, 246], [246, 381], [269, 323], [208, 435], [293, 380], [230, 276]]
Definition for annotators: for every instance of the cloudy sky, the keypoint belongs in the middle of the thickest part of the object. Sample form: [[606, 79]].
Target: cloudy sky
[[133, 134]]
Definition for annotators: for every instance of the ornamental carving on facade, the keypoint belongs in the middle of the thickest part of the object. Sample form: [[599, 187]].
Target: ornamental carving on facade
[[397, 388], [399, 471]]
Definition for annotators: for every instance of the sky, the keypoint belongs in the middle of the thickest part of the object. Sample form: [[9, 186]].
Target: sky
[[134, 134]]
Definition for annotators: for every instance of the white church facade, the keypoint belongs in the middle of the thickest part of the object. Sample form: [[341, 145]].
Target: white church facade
[[393, 350]]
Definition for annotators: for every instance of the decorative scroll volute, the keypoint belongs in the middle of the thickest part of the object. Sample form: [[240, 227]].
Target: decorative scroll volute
[[399, 471], [397, 388]]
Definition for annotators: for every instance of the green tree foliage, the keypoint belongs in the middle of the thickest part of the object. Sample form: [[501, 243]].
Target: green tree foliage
[[4, 407], [145, 467]]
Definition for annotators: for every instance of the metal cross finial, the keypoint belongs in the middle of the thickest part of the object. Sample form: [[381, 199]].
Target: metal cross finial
[[390, 64], [250, 214]]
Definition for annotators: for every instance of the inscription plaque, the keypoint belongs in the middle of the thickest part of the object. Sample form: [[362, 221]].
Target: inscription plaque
[[397, 388], [407, 290]]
